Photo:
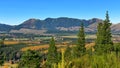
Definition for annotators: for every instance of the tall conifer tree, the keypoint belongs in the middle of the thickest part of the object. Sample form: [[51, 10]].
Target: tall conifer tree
[[80, 49], [52, 56], [103, 41]]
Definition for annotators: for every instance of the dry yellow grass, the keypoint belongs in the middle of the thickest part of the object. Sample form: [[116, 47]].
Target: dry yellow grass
[[35, 47], [30, 42], [8, 65], [40, 47], [18, 42], [90, 45], [11, 42]]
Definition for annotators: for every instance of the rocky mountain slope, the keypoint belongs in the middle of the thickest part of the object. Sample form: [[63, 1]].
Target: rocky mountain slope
[[55, 25]]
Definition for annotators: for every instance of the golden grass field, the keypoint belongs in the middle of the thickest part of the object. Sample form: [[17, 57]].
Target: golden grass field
[[45, 46], [63, 46], [18, 42], [35, 47], [9, 65], [38, 47], [11, 42]]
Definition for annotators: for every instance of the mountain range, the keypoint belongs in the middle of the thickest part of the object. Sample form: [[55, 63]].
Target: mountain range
[[62, 24]]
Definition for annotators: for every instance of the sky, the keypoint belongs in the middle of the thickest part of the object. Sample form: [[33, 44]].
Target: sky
[[14, 12]]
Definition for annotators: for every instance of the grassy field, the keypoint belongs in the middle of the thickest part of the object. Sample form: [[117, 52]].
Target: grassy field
[[20, 42], [74, 36], [59, 46], [11, 42], [9, 65]]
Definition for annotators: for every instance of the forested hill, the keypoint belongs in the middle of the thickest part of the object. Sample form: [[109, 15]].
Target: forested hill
[[54, 24]]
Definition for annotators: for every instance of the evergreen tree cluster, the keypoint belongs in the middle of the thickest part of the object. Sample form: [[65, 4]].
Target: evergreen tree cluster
[[103, 41], [52, 56], [80, 49], [30, 59]]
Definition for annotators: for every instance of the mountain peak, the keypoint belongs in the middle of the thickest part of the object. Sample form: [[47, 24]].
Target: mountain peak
[[57, 24], [30, 21]]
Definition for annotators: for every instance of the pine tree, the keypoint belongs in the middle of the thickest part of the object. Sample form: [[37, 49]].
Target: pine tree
[[52, 56], [103, 41], [1, 53], [80, 49], [99, 34], [68, 54], [1, 57], [81, 37], [2, 42], [30, 59], [107, 29], [100, 37]]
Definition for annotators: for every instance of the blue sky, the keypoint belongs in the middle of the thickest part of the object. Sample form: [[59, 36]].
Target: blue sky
[[15, 12]]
